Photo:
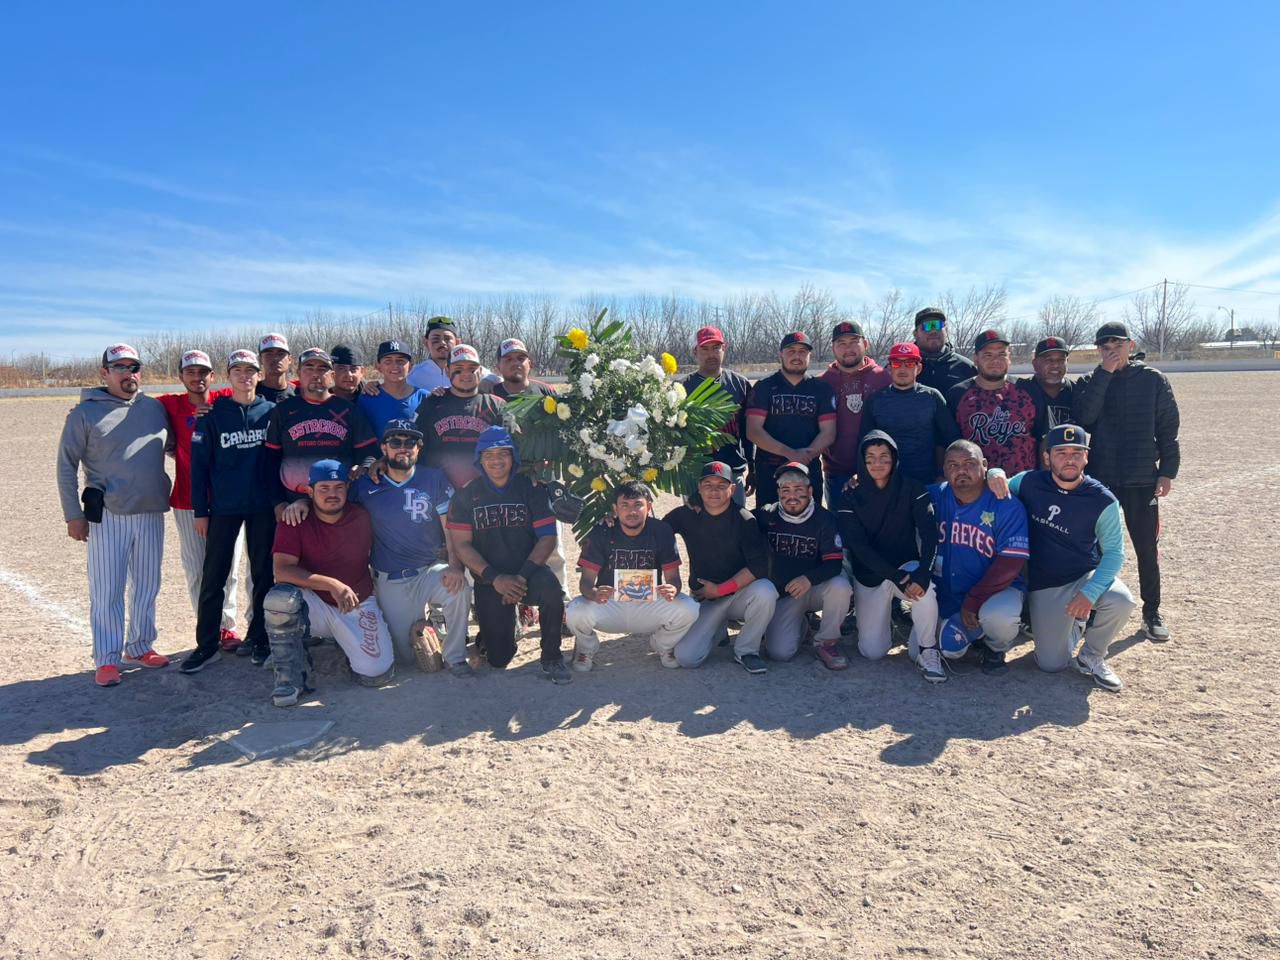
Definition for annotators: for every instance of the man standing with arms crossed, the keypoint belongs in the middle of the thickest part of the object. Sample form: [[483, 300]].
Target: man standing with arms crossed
[[1077, 550], [739, 453], [118, 435], [183, 409], [790, 416], [1131, 410], [853, 377], [942, 368], [993, 411]]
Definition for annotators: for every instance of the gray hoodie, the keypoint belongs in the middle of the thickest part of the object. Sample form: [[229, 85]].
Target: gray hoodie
[[120, 444]]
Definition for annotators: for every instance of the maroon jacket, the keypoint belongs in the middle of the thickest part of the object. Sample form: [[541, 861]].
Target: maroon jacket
[[851, 390]]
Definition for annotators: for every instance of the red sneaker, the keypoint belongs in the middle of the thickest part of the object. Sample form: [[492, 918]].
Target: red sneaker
[[148, 659], [229, 640], [529, 617], [830, 655], [107, 676]]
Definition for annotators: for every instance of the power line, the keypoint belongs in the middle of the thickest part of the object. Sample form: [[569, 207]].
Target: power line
[[1205, 286]]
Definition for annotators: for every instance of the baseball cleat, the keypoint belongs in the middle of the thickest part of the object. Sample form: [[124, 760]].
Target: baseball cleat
[[1092, 665]]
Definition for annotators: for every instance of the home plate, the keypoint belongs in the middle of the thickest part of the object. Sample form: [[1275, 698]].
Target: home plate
[[258, 740]]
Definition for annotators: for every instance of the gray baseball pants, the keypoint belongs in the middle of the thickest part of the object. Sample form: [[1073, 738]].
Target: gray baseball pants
[[1058, 635], [782, 637], [753, 605]]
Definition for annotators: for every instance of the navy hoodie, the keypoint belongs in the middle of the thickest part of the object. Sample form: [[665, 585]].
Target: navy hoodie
[[230, 473]]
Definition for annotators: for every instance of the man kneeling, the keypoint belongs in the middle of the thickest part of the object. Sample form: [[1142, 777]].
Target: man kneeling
[[323, 589], [639, 551]]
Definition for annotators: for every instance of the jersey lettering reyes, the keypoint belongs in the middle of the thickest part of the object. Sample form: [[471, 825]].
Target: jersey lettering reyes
[[495, 516], [968, 535], [793, 405], [792, 545], [627, 558]]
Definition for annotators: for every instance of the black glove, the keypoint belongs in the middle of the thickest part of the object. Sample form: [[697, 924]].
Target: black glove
[[565, 507]]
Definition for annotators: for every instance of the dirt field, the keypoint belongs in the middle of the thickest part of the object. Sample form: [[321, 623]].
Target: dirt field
[[641, 812]]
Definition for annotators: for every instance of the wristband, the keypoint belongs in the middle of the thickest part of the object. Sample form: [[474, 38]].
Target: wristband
[[726, 588], [487, 574], [528, 568]]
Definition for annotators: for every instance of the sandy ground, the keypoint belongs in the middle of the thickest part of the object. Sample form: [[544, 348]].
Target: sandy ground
[[642, 812]]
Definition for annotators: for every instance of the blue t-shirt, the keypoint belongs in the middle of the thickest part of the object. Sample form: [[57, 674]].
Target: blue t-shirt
[[407, 530], [382, 408], [970, 536]]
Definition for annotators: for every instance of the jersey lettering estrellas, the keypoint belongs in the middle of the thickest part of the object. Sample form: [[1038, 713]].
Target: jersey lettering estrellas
[[305, 432], [970, 537], [407, 530], [505, 522], [607, 549], [809, 549], [1072, 532], [1002, 422], [792, 412], [339, 550]]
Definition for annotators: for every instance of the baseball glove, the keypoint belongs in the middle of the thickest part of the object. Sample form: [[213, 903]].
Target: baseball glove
[[426, 647]]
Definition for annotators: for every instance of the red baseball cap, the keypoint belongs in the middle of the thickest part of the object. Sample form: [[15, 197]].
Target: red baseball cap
[[904, 351], [708, 335]]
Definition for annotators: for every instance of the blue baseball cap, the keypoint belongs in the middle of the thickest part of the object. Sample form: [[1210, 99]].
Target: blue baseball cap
[[1067, 435], [323, 470], [955, 637]]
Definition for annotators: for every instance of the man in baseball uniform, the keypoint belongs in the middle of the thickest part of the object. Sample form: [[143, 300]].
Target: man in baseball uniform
[[118, 436], [274, 355], [982, 548], [396, 398], [1049, 386], [183, 408], [993, 411], [323, 589], [1077, 550], [915, 416], [630, 581]]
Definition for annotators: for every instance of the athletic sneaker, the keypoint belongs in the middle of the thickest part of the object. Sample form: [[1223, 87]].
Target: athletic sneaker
[[556, 671], [1092, 665], [930, 663], [751, 662], [829, 653], [1155, 629], [669, 660], [582, 662], [285, 696], [149, 659], [229, 640], [198, 659], [990, 662], [260, 654], [529, 617], [107, 676], [462, 670]]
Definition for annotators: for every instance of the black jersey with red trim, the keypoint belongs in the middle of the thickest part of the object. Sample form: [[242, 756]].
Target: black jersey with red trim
[[301, 432], [607, 549], [811, 548], [505, 522], [792, 412]]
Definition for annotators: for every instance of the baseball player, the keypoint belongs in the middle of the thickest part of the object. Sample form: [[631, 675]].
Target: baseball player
[[452, 421], [274, 355], [993, 411], [1077, 550], [854, 377], [348, 373], [915, 416], [323, 589], [183, 409], [728, 572], [231, 502], [515, 367], [941, 367], [395, 398], [739, 453], [982, 548], [805, 558], [1049, 386], [118, 436], [636, 541]]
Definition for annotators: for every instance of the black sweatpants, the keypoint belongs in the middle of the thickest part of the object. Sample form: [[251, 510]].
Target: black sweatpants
[[1141, 508], [219, 554], [497, 619]]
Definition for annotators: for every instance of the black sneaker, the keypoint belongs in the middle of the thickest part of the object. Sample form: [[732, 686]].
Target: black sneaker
[[245, 649], [752, 663], [260, 654], [1155, 629], [991, 662], [198, 659], [556, 671]]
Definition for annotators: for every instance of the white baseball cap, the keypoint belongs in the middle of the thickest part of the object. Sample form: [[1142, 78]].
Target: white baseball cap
[[195, 358], [119, 351], [512, 345], [243, 356], [464, 353], [273, 341]]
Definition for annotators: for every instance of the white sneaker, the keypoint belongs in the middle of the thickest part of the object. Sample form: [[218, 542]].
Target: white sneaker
[[1092, 665], [669, 660], [930, 664], [582, 662]]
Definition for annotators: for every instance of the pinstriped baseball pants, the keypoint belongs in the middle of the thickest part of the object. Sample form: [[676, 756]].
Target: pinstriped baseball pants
[[192, 547], [124, 549]]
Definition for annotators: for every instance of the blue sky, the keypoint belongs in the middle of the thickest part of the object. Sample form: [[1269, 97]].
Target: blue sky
[[168, 165]]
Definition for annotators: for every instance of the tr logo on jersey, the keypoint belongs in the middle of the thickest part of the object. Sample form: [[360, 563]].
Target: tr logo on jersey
[[417, 505]]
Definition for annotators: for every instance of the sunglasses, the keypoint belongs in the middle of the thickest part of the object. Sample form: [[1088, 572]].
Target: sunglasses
[[405, 443], [932, 326], [897, 364], [125, 367]]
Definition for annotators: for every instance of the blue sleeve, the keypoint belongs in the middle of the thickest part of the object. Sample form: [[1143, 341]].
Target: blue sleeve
[[1015, 482], [1011, 529], [1110, 532]]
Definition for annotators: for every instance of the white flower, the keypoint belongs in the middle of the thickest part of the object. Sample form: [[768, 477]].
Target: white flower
[[575, 470], [622, 363], [678, 389], [597, 452], [645, 458], [584, 435], [586, 385], [616, 464], [592, 361], [635, 443], [682, 418], [563, 411], [650, 367], [671, 420]]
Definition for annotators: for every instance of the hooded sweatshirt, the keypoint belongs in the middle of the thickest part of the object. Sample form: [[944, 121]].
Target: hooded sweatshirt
[[883, 528], [230, 470], [120, 444], [851, 389]]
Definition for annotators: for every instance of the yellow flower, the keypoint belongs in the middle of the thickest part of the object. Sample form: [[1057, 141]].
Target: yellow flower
[[578, 337], [650, 475], [669, 364], [549, 404], [598, 485]]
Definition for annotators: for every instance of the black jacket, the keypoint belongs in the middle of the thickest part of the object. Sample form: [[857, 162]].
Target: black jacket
[[944, 370], [1134, 421]]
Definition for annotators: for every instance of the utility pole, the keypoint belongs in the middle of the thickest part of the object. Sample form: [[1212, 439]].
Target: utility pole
[[1164, 298]]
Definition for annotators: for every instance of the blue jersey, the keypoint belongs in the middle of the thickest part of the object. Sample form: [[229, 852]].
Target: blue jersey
[[382, 408], [970, 537], [407, 530], [1075, 532]]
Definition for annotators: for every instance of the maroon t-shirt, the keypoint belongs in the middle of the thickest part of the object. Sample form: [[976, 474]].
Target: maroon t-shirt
[[339, 550]]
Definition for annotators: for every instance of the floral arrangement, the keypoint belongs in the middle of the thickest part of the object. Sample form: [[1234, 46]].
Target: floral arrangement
[[621, 417]]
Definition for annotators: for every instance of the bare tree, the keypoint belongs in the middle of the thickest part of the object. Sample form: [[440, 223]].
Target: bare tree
[[1072, 319], [977, 310], [1160, 320], [886, 322]]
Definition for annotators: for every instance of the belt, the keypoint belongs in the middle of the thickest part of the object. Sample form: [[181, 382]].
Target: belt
[[402, 574]]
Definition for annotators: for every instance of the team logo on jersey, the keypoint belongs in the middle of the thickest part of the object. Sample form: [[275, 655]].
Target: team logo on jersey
[[1054, 510], [988, 518], [417, 505], [854, 402]]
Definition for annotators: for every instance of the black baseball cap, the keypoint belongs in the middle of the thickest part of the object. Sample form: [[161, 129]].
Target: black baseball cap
[[988, 336], [391, 347], [440, 323], [792, 466], [847, 328], [930, 313], [342, 354], [407, 428], [1112, 328], [795, 336], [1052, 345], [1067, 435], [717, 468]]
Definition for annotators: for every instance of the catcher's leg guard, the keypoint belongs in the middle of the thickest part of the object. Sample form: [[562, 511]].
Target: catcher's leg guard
[[287, 623]]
